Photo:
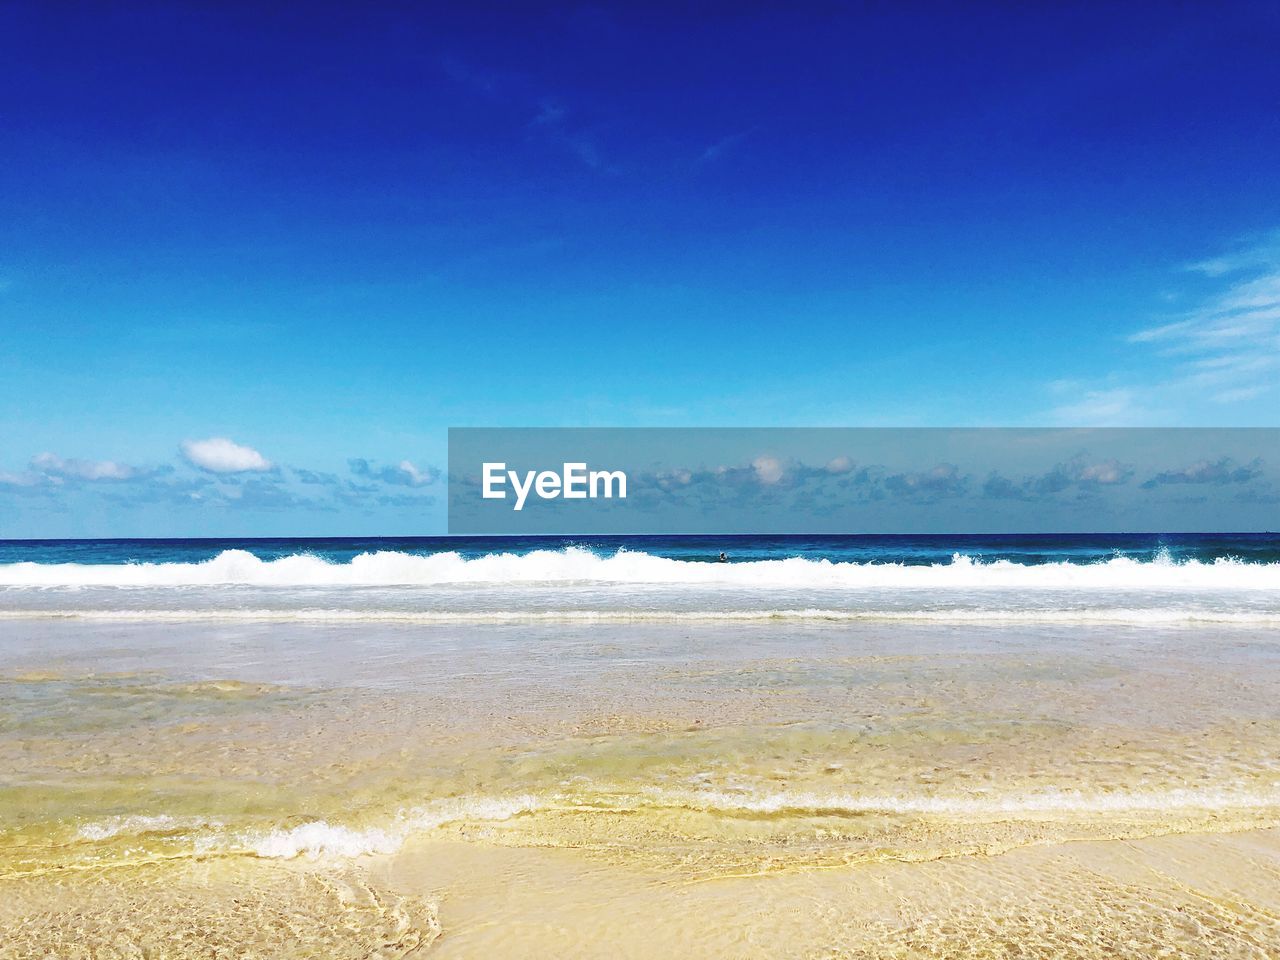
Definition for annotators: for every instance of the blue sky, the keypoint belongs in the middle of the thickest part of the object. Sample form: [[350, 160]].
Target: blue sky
[[326, 234]]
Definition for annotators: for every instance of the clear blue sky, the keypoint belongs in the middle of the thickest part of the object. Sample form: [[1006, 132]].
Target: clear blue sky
[[327, 233]]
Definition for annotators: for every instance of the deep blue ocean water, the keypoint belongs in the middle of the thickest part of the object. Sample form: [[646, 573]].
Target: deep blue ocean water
[[909, 549]]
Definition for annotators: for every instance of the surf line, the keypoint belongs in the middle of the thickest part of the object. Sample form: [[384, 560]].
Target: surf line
[[573, 482]]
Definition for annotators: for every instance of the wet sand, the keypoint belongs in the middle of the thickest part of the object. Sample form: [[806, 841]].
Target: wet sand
[[1176, 896]]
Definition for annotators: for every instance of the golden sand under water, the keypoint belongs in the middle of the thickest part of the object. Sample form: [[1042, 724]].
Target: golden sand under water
[[617, 791]]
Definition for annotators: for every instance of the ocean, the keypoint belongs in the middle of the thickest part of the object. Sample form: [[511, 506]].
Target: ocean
[[854, 746], [909, 549], [1117, 578]]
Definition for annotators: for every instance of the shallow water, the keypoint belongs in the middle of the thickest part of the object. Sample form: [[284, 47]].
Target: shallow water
[[192, 779]]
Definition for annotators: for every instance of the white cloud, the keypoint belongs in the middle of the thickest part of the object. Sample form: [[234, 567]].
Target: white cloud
[[1106, 473], [220, 455], [669, 479], [839, 465], [1222, 471], [48, 471], [415, 477], [20, 479], [404, 474], [53, 465], [1077, 474], [768, 470]]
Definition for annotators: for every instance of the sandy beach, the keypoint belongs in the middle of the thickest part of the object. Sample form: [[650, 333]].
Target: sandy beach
[[647, 789]]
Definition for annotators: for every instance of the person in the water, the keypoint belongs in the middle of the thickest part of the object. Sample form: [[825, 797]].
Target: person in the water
[[723, 558]]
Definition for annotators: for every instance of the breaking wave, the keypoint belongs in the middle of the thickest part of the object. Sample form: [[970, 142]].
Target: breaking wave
[[316, 838], [322, 839], [579, 566]]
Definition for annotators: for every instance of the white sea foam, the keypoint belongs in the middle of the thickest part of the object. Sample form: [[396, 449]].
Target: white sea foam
[[140, 823], [1045, 803], [579, 566], [323, 839]]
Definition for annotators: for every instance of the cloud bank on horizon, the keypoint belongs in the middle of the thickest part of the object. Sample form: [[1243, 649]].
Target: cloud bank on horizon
[[889, 480], [211, 476], [218, 476]]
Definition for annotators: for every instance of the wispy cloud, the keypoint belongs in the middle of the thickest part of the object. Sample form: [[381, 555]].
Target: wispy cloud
[[721, 147], [164, 489], [314, 477], [1079, 475], [219, 474], [47, 470], [1224, 350], [1254, 252], [1221, 471], [1110, 407], [551, 120], [944, 480], [22, 482], [403, 474], [550, 111], [1229, 347], [54, 465], [766, 478]]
